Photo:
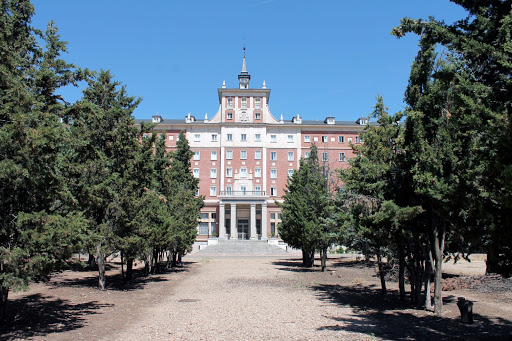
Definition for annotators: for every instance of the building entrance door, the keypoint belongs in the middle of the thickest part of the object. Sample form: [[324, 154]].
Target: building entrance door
[[243, 229]]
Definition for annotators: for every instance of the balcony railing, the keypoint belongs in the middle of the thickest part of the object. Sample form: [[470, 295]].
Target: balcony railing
[[243, 193]]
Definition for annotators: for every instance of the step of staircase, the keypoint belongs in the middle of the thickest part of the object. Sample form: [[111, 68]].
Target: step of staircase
[[229, 247]]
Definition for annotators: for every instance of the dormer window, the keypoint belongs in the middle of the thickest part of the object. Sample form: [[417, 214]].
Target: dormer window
[[330, 120], [362, 121], [157, 119]]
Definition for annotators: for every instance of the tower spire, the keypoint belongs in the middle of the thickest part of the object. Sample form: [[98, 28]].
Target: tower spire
[[244, 77]]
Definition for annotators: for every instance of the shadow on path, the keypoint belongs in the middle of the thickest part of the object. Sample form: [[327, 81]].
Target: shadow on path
[[384, 316], [38, 315]]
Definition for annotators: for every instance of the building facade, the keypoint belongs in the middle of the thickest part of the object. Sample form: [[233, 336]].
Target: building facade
[[244, 155]]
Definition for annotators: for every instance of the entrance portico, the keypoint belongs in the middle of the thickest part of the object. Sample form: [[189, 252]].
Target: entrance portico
[[243, 216]]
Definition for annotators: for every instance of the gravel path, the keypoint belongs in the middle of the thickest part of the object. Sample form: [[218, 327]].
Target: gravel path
[[241, 298]]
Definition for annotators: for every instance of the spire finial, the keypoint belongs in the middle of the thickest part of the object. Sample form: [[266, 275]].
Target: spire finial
[[244, 66]]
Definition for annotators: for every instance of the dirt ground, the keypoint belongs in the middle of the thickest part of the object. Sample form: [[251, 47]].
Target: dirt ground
[[255, 298]]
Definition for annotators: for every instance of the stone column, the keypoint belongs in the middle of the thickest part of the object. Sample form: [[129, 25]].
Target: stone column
[[222, 221], [234, 232], [253, 222], [264, 221]]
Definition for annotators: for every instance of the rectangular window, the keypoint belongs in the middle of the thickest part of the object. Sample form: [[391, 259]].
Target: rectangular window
[[229, 154], [213, 156], [257, 189], [290, 172], [358, 139], [257, 103], [307, 138], [306, 154], [341, 139], [197, 137], [229, 190], [243, 137], [229, 115], [243, 189], [213, 173], [196, 172], [291, 156], [257, 137], [342, 157], [257, 154], [171, 137], [243, 154], [230, 103], [214, 137], [325, 156], [290, 138], [244, 102], [324, 138], [273, 191], [197, 155], [273, 156], [229, 137], [213, 191], [203, 228], [229, 172], [273, 173], [257, 172], [273, 138], [243, 172], [257, 116]]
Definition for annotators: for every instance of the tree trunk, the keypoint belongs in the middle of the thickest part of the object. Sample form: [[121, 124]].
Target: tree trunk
[[174, 257], [428, 274], [382, 272], [92, 262], [401, 272], [101, 259], [438, 237], [323, 258], [308, 258], [155, 267], [129, 269], [122, 265], [4, 294], [180, 263]]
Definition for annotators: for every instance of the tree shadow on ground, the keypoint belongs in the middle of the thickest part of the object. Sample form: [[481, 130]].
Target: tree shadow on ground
[[38, 315], [117, 283], [294, 265], [385, 316], [359, 264]]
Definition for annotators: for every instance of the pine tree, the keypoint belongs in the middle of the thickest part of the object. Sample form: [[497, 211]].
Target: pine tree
[[305, 203], [105, 144], [38, 223]]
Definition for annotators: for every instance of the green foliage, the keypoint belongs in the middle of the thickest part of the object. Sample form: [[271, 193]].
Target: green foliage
[[479, 55], [38, 225], [305, 208]]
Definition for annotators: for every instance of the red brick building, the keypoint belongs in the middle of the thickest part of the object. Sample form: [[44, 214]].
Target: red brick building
[[244, 156]]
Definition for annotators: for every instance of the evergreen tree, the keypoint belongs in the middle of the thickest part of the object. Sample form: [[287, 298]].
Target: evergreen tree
[[105, 142], [480, 53], [38, 223], [306, 205]]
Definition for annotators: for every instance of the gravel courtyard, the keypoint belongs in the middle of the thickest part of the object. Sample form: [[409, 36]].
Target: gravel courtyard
[[245, 298]]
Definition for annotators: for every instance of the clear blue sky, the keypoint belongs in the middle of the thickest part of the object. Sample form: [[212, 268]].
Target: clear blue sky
[[318, 57]]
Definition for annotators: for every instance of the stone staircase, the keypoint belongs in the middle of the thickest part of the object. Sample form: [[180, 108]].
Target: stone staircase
[[232, 247]]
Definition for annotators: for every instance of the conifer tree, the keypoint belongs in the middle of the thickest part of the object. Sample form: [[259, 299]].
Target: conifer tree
[[38, 223], [305, 207], [105, 142]]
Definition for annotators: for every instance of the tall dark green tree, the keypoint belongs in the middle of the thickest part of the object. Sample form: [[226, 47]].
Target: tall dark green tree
[[38, 224], [306, 205], [480, 51], [105, 140]]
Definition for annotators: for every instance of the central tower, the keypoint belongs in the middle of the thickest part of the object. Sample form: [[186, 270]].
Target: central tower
[[244, 77]]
